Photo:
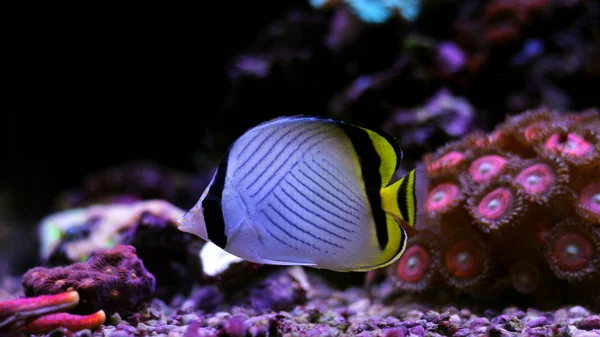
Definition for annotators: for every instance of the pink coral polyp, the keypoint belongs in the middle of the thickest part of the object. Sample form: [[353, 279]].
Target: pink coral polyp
[[536, 179], [413, 264], [574, 145], [487, 167], [442, 196], [572, 251], [495, 204], [463, 259], [449, 159], [531, 132]]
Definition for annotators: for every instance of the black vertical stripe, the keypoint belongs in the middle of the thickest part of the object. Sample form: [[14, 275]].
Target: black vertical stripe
[[369, 162], [212, 207], [414, 195], [402, 199]]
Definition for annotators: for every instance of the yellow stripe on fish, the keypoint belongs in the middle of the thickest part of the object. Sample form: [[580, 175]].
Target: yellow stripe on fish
[[309, 191], [400, 198]]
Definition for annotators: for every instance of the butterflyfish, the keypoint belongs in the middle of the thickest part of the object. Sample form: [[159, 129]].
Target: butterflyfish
[[310, 191]]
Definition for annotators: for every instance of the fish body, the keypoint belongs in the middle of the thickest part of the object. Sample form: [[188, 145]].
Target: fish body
[[310, 191]]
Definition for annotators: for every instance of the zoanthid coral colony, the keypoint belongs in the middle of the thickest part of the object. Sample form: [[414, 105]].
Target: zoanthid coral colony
[[518, 209]]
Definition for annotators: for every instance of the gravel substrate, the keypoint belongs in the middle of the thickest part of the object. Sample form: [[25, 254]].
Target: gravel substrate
[[334, 318], [316, 309]]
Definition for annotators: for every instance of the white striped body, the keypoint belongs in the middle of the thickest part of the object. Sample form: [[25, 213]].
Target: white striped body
[[294, 194]]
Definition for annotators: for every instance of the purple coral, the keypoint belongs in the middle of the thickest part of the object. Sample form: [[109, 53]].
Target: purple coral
[[149, 226], [114, 280]]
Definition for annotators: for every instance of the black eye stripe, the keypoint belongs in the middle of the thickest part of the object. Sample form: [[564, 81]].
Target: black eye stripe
[[213, 217], [212, 207]]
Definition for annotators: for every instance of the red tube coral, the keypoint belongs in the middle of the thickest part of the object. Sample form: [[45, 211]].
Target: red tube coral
[[69, 321], [44, 313]]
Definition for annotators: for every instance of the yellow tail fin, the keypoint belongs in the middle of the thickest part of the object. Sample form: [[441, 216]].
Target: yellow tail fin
[[406, 198]]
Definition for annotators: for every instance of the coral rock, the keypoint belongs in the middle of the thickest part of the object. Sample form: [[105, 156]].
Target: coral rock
[[150, 226], [114, 280]]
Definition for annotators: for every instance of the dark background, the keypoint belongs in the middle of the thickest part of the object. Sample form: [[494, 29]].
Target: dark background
[[89, 88]]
